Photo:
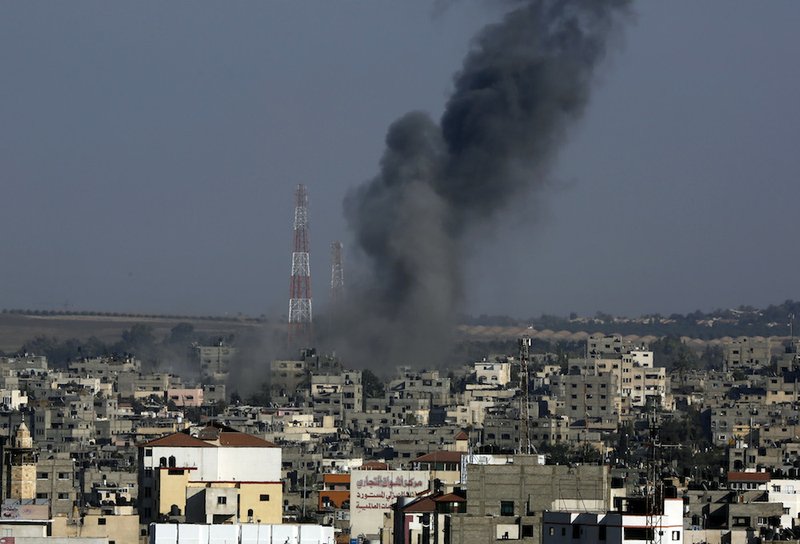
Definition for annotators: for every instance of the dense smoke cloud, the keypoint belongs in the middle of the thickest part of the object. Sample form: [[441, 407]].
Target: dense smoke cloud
[[523, 83]]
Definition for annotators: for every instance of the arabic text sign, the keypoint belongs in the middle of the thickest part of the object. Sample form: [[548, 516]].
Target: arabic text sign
[[374, 492]]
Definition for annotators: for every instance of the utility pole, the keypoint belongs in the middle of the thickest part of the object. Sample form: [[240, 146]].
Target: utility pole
[[524, 399], [304, 497]]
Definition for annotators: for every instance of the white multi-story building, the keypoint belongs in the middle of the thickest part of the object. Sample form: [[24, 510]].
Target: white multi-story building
[[788, 493], [213, 475], [631, 525], [493, 372], [252, 533]]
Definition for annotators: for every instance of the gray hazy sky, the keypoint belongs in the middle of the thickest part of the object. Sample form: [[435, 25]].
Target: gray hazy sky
[[149, 153]]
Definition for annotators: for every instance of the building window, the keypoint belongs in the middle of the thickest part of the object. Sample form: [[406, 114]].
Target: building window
[[506, 508], [41, 475], [263, 497], [551, 531], [101, 521], [222, 500], [639, 533], [676, 535], [63, 496], [175, 472], [63, 476]]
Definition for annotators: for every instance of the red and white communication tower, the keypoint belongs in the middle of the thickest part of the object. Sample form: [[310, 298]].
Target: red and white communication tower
[[300, 316]]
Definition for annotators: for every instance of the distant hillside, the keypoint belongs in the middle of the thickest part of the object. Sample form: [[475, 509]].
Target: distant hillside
[[742, 321], [18, 327]]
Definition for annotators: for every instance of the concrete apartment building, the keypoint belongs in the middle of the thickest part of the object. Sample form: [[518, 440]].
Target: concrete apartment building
[[57, 482], [104, 367], [135, 385], [746, 353], [425, 385], [638, 379], [589, 395], [24, 363], [117, 524], [495, 372], [215, 361], [287, 377], [337, 395], [213, 475], [632, 523], [605, 346], [507, 502]]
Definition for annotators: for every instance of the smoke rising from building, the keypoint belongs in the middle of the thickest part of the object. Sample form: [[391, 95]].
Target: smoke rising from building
[[522, 85]]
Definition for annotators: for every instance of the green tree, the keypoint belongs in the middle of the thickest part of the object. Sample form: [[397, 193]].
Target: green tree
[[372, 384], [140, 341], [181, 335], [670, 352]]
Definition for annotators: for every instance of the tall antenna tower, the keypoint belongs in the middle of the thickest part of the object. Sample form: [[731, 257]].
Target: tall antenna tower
[[524, 399], [337, 274], [300, 316]]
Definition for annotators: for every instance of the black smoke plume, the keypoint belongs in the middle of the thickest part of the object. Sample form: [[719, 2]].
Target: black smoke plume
[[523, 84]]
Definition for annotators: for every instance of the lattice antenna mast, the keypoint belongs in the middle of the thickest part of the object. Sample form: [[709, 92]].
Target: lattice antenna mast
[[524, 399], [654, 492], [337, 274], [300, 315]]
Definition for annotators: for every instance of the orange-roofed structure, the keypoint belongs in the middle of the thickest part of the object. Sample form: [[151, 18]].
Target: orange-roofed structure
[[214, 474]]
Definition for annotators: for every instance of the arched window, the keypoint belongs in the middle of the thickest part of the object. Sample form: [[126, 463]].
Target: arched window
[[162, 462], [171, 460]]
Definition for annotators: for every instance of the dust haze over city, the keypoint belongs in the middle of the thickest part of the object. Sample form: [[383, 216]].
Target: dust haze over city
[[550, 246], [150, 156]]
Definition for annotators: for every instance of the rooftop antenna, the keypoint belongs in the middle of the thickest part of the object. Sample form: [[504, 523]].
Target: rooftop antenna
[[654, 495], [337, 274], [525, 446]]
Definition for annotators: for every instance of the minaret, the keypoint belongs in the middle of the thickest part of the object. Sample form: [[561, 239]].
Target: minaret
[[21, 466]]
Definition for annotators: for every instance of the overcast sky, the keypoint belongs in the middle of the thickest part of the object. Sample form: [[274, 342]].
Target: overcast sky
[[149, 152]]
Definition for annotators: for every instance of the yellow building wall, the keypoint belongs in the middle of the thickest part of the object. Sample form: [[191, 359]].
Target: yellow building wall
[[121, 529], [270, 511], [447, 477], [172, 490]]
